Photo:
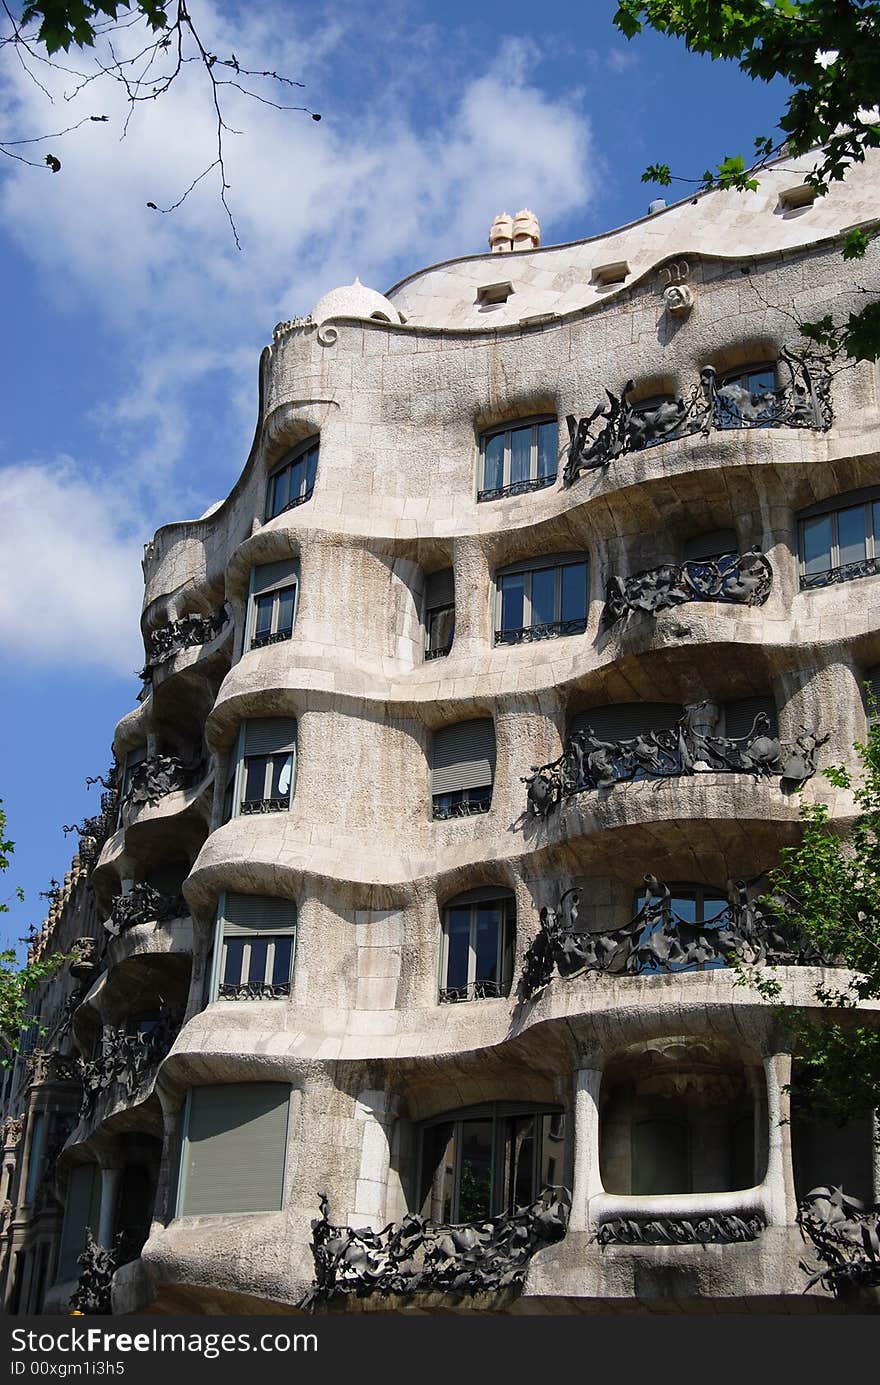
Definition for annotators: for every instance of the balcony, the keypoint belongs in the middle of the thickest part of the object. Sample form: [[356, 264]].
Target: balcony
[[732, 578], [144, 904], [548, 631], [532, 483], [168, 640]]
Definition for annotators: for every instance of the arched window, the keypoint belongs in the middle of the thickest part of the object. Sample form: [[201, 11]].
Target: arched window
[[839, 539], [293, 480], [462, 768], [487, 1159], [518, 457], [541, 598], [476, 956]]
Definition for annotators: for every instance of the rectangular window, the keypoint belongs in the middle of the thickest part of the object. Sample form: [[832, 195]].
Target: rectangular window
[[540, 602], [484, 1162], [234, 1149], [266, 766], [839, 545], [748, 398], [439, 613], [477, 951], [517, 459], [35, 1156], [256, 940], [293, 482], [272, 604], [462, 768]]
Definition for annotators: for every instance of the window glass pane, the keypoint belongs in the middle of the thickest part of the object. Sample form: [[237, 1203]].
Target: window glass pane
[[817, 544], [552, 1150], [281, 965], [458, 932], [875, 510], [851, 534], [441, 628], [520, 1160], [543, 596], [279, 492], [512, 595], [475, 1178], [685, 906], [760, 381], [493, 466], [286, 599], [438, 1172], [712, 908], [282, 766], [263, 623], [548, 436], [234, 960], [488, 928], [311, 469], [298, 479], [255, 777], [573, 605], [259, 954], [520, 454]]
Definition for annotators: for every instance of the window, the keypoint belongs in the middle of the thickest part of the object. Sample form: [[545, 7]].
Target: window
[[463, 768], [81, 1210], [476, 956], [839, 540], [747, 398], [35, 1156], [489, 1159], [254, 949], [272, 603], [293, 481], [536, 601], [263, 772], [439, 613], [234, 1148], [693, 906], [706, 548], [517, 459]]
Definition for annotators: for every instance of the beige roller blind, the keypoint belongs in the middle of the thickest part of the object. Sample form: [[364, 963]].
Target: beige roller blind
[[234, 1152], [712, 545], [439, 589], [257, 913], [269, 735], [463, 756], [270, 576], [628, 719]]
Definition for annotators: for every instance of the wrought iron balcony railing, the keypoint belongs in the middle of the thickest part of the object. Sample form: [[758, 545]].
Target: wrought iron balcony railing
[[547, 631], [144, 904], [439, 653], [167, 640], [250, 806], [741, 578], [657, 939], [418, 1254], [128, 1058], [253, 990], [801, 399], [297, 500], [533, 483], [848, 572], [158, 775], [690, 748], [473, 990], [476, 801], [261, 641]]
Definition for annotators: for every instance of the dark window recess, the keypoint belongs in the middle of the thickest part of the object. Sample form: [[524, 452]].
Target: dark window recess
[[491, 1159], [518, 459], [477, 946], [439, 614], [258, 934], [293, 482], [840, 542], [541, 602], [463, 768]]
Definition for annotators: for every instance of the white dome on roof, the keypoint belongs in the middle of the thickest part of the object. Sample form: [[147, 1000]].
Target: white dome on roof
[[354, 300]]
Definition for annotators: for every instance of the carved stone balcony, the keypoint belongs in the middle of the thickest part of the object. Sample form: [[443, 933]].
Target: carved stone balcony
[[690, 748], [659, 940], [168, 640], [143, 904], [418, 1255], [742, 579], [801, 399]]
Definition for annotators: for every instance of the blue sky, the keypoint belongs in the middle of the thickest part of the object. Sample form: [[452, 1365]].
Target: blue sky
[[131, 339]]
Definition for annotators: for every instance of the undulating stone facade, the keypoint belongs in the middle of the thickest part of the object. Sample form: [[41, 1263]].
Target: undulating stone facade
[[472, 721]]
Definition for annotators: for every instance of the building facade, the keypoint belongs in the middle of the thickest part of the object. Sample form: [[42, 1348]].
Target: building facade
[[473, 719]]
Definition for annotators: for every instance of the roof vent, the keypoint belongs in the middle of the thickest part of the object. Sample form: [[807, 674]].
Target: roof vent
[[801, 195], [658, 205], [614, 273], [494, 293]]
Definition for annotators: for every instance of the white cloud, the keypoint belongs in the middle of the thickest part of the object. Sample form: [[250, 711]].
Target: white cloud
[[70, 580]]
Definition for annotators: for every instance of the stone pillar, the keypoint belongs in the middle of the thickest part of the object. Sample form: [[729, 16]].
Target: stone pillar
[[585, 1183], [376, 1113], [823, 694], [473, 585], [779, 1180], [110, 1178]]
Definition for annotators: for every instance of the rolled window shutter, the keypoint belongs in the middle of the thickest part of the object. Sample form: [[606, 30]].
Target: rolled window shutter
[[269, 735], [270, 576], [628, 719], [257, 913], [739, 716], [481, 895], [439, 589], [235, 1148], [463, 756], [78, 1215], [710, 545]]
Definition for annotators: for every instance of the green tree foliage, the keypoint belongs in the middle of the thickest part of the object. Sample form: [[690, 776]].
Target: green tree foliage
[[17, 983], [829, 52], [72, 22], [831, 884]]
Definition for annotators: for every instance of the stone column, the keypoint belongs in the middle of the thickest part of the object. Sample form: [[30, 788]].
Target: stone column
[[376, 1113], [110, 1178], [586, 1182], [823, 694], [779, 1179]]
